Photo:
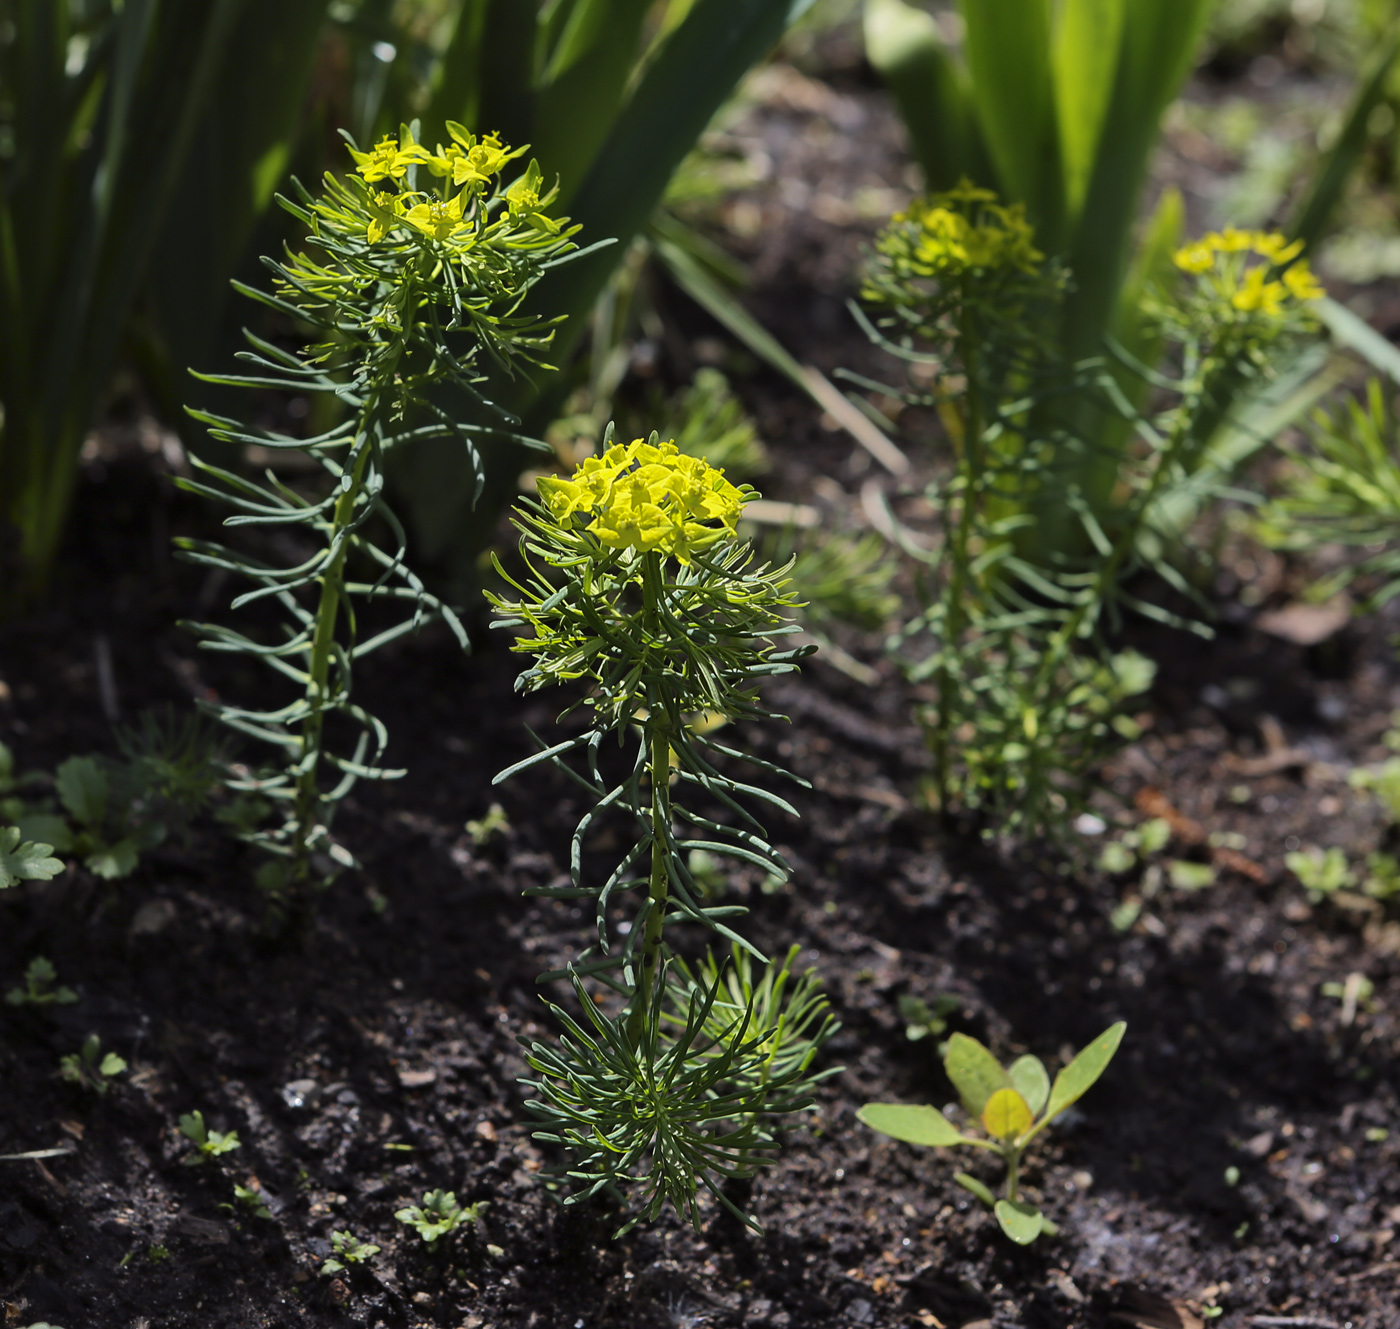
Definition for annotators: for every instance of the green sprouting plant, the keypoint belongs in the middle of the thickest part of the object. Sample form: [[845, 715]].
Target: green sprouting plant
[[347, 1249], [39, 989], [710, 422], [106, 826], [924, 1021], [486, 828], [636, 584], [251, 1198], [1016, 649], [90, 1067], [208, 1144], [1012, 1105], [177, 760], [414, 280], [1322, 873], [438, 1216], [1382, 876], [25, 860]]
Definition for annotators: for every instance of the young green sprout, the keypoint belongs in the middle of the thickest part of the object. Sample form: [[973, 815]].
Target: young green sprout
[[209, 1144], [439, 1215], [90, 1067], [1013, 1104]]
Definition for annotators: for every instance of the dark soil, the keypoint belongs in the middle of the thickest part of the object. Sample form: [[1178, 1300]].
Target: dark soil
[[380, 1061]]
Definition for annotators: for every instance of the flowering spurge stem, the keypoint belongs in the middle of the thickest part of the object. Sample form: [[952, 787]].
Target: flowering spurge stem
[[636, 584], [418, 266]]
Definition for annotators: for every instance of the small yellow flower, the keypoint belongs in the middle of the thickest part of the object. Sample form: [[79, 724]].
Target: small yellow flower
[[382, 215], [965, 229], [647, 497], [1197, 258], [470, 160], [1257, 295], [387, 160], [439, 218], [1223, 258], [1301, 283]]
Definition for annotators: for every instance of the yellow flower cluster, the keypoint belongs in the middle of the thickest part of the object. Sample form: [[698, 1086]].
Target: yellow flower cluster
[[646, 496], [1224, 257], [469, 162], [966, 228]]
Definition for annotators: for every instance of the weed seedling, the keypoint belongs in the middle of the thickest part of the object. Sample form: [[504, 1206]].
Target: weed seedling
[[487, 828], [1322, 873], [439, 1215], [90, 1067], [38, 989], [25, 860], [347, 1249], [252, 1199], [208, 1144], [1013, 1104], [922, 1020]]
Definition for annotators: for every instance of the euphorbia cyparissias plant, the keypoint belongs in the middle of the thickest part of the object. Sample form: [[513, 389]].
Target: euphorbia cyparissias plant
[[638, 587], [416, 269], [1012, 1104]]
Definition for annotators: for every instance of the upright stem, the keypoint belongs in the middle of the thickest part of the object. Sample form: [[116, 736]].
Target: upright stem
[[658, 740], [308, 796], [955, 621], [1013, 1175]]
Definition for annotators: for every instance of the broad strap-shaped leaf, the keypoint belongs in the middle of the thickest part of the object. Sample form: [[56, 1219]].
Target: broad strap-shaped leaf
[[1006, 1115], [970, 1183], [1076, 1078], [1084, 60], [924, 1125], [1031, 1080], [1020, 1221], [22, 860], [975, 1073]]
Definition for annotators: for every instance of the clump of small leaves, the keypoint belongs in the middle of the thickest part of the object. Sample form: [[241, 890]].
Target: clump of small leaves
[[439, 1215], [1321, 872], [416, 269], [208, 1144], [638, 586], [487, 828], [25, 860], [924, 1021], [347, 1249], [1012, 1104], [253, 1199], [39, 989], [90, 1067], [179, 760]]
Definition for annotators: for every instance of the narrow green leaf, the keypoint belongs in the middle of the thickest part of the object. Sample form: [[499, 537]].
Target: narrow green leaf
[[1084, 59], [924, 1125], [1020, 1221], [970, 1183], [1076, 1078], [975, 1073], [1346, 153], [1353, 332], [1031, 1080]]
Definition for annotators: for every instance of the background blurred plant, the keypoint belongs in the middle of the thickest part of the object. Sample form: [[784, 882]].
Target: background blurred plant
[[636, 583], [421, 262], [1059, 107], [1028, 692]]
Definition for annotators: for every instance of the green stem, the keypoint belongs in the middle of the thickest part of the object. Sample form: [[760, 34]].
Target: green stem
[[658, 739], [308, 795], [1013, 1175], [955, 620]]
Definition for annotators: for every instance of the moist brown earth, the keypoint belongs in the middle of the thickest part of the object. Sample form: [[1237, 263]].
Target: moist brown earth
[[1234, 1160]]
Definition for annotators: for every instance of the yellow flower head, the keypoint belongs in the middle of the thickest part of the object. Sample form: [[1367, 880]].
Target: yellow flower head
[[1250, 273], [646, 496], [966, 229], [439, 218], [470, 160], [387, 160]]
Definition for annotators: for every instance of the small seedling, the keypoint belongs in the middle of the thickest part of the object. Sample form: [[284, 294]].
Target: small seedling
[[347, 1249], [1382, 876], [253, 1199], [439, 1215], [494, 823], [922, 1020], [25, 860], [1322, 873], [210, 1144], [38, 989], [158, 1254], [1006, 1101], [90, 1067], [1186, 875]]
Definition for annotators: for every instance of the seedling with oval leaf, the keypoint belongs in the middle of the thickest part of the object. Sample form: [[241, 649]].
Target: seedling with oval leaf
[[1013, 1104]]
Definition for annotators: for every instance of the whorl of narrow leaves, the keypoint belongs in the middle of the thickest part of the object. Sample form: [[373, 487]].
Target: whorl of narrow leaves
[[415, 271]]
